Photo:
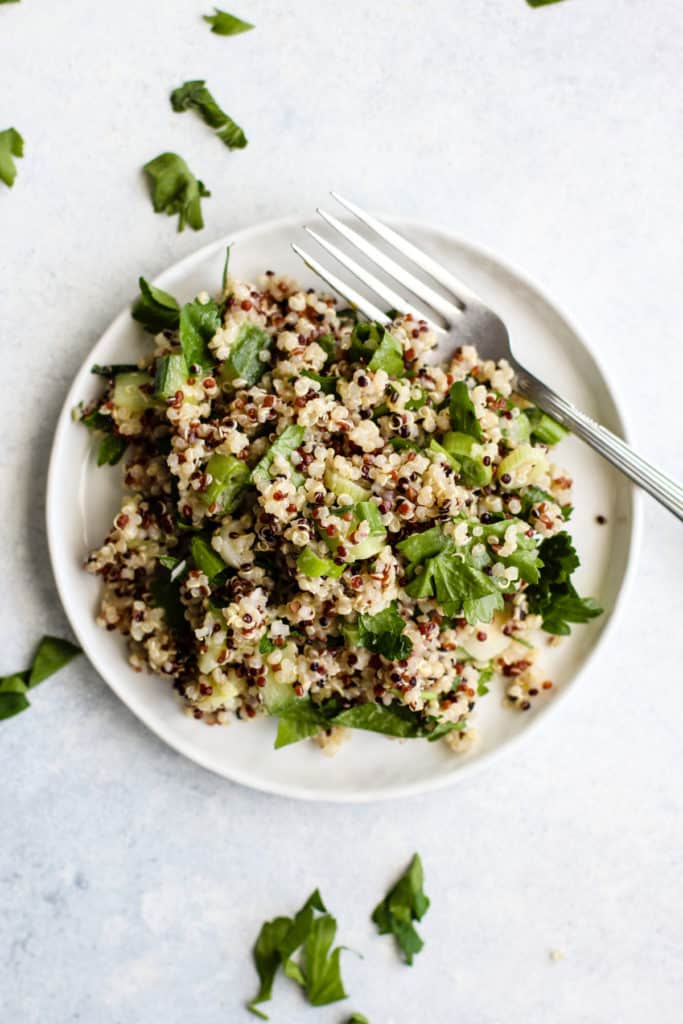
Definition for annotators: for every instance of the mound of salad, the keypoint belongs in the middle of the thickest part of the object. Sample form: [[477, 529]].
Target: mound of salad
[[322, 523]]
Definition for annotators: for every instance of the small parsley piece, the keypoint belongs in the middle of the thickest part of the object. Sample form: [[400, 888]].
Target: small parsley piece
[[11, 145], [266, 645], [195, 96], [541, 3], [175, 190], [205, 558], [373, 344], [318, 972], [226, 267], [383, 634], [224, 24], [358, 1018], [485, 677], [155, 309], [165, 592], [300, 721], [244, 358], [554, 596], [111, 450], [111, 370], [52, 654], [286, 442], [447, 573], [461, 410], [535, 495], [199, 322], [328, 384], [404, 903]]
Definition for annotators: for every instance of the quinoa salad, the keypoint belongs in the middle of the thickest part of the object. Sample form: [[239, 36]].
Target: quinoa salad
[[322, 523]]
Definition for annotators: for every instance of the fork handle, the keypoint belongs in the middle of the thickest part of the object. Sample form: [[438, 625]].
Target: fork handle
[[662, 487]]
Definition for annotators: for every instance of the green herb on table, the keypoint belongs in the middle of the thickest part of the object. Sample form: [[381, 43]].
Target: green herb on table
[[554, 597], [404, 903], [541, 3], [175, 190], [224, 24], [11, 145], [52, 655], [310, 933], [195, 96], [358, 1018], [155, 309]]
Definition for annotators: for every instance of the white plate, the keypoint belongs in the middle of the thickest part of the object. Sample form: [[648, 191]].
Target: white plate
[[82, 500]]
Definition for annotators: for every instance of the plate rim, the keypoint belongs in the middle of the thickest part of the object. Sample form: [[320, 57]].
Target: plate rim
[[468, 769]]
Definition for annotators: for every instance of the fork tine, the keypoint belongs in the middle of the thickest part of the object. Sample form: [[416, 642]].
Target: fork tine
[[448, 310], [392, 298], [353, 297], [434, 269]]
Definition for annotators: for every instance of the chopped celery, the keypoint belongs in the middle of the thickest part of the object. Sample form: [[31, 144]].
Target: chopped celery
[[517, 430], [544, 428], [230, 478], [369, 545], [339, 484], [312, 565], [524, 465]]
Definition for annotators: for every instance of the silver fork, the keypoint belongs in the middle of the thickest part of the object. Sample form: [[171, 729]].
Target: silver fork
[[468, 320]]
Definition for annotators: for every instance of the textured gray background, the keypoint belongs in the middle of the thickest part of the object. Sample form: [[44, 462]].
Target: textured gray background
[[131, 881]]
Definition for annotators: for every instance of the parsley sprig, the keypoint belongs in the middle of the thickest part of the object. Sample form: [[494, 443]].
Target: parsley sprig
[[311, 933], [404, 903], [195, 96], [51, 655]]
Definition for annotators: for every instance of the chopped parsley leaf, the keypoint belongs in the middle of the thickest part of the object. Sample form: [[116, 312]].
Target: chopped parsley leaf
[[195, 96], [554, 596], [52, 654], [404, 903], [224, 24], [175, 190], [11, 145]]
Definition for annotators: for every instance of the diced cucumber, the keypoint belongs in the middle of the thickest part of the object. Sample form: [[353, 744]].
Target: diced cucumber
[[544, 428], [171, 375], [339, 484], [312, 565], [525, 465], [230, 478], [469, 454], [127, 395]]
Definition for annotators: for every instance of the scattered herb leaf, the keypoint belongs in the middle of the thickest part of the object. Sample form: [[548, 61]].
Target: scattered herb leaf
[[224, 24], [175, 190], [404, 903], [195, 96], [51, 655], [11, 145]]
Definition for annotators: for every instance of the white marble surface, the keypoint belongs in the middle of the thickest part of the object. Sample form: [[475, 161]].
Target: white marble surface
[[131, 881]]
